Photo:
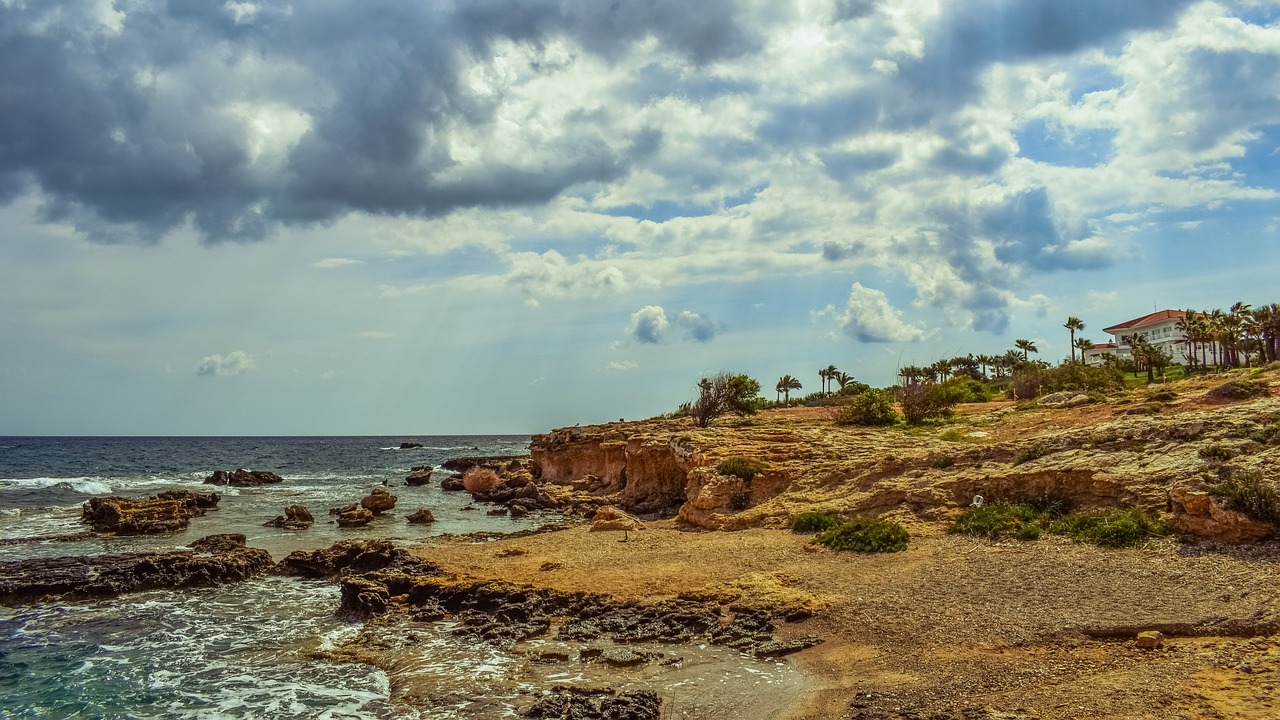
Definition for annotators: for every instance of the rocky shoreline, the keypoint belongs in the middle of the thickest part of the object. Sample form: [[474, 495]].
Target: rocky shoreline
[[951, 627]]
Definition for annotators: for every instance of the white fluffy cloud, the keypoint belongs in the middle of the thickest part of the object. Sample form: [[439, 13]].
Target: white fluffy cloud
[[234, 363], [868, 317]]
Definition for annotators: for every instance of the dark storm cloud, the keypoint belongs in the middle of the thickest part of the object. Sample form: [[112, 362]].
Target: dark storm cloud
[[125, 130]]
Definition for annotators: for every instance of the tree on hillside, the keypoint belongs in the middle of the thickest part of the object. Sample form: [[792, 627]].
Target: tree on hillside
[[1073, 324], [1026, 346], [722, 393], [785, 385]]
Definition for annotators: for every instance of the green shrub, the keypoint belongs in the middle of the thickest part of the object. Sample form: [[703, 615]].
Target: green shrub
[[1239, 389], [964, 389], [1247, 491], [943, 462], [740, 500], [1163, 395], [997, 520], [1030, 452], [1216, 452], [1273, 366], [869, 535], [741, 467], [921, 401], [1112, 527], [870, 407], [1266, 434], [814, 522]]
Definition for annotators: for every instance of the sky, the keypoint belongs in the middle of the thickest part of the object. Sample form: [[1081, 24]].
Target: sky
[[505, 216]]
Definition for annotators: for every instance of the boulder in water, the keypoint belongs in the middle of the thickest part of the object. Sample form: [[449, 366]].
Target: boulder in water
[[296, 517], [355, 518], [421, 516], [243, 478], [217, 559], [378, 501], [420, 475], [166, 512]]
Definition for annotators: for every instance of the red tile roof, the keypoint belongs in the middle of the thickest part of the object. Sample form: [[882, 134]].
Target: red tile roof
[[1104, 346], [1154, 317]]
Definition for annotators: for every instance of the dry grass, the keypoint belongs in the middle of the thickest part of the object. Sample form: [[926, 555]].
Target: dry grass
[[480, 480]]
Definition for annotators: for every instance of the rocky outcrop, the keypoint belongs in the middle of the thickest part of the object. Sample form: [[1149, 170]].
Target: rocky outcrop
[[1196, 512], [243, 478], [354, 517], [503, 613], [378, 501], [419, 475], [507, 465], [610, 518], [166, 512], [410, 445], [352, 557], [216, 560], [572, 703], [296, 517], [646, 471], [421, 516], [1154, 462]]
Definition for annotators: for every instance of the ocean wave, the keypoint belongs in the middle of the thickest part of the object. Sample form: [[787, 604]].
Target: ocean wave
[[82, 485]]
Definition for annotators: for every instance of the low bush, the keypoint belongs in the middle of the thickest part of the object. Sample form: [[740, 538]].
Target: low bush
[[1247, 491], [943, 462], [870, 407], [1266, 434], [1030, 452], [997, 520], [480, 480], [1273, 366], [868, 535], [922, 401], [1112, 527], [1216, 452], [740, 500], [1239, 389], [1163, 395], [814, 522], [741, 467]]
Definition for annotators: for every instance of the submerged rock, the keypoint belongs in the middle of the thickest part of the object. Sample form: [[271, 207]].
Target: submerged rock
[[355, 518], [419, 475], [217, 559], [421, 516], [409, 445], [296, 517], [243, 478], [166, 512]]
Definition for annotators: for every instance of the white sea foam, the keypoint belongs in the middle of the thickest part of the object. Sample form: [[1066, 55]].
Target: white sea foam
[[83, 485]]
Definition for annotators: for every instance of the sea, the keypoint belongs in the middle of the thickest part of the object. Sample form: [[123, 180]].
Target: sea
[[249, 649]]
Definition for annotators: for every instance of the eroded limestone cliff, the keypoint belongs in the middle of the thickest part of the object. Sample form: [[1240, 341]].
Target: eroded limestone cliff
[[1098, 455]]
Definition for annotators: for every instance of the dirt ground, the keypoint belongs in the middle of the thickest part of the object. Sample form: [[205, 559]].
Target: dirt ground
[[954, 627]]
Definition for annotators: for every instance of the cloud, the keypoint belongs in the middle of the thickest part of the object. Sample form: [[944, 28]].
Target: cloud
[[622, 366], [868, 317], [649, 325], [235, 363], [240, 118], [336, 263]]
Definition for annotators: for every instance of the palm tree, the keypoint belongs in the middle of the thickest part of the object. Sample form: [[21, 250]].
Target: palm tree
[[1073, 324], [842, 379], [785, 385], [1026, 346], [827, 373], [1268, 318], [1084, 345]]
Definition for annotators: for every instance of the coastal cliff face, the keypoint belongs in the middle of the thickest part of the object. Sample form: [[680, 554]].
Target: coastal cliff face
[[1161, 458], [644, 465]]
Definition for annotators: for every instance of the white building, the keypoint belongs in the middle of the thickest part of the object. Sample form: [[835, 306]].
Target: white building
[[1159, 328]]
